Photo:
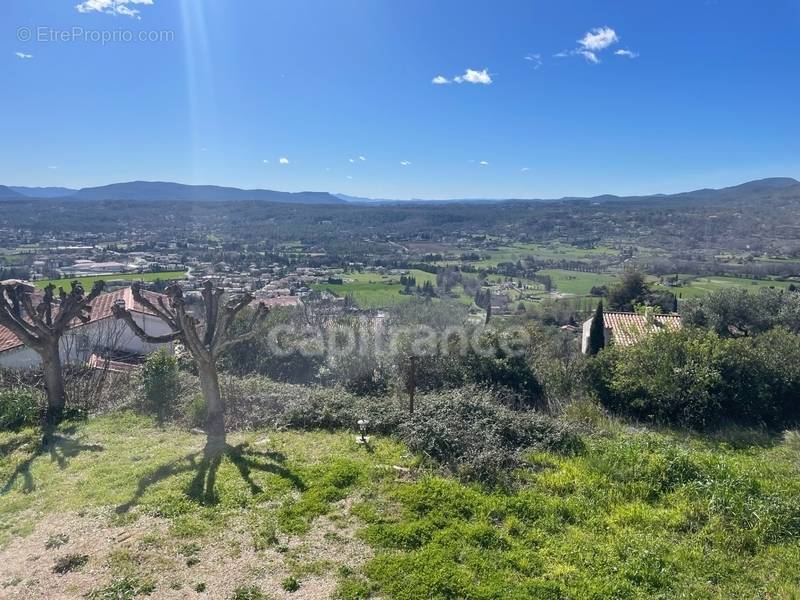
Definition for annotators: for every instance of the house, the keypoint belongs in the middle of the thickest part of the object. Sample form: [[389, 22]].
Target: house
[[102, 335], [626, 328]]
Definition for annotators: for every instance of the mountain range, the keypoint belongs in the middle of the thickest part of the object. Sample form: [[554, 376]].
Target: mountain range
[[178, 192]]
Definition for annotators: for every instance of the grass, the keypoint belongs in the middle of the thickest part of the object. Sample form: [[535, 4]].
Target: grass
[[638, 514], [576, 282], [87, 282], [372, 290], [700, 286]]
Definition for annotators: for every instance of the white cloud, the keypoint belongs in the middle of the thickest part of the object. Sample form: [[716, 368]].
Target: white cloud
[[405, 163], [52, 167], [598, 38], [536, 59], [590, 56], [525, 169], [472, 76], [349, 176], [626, 52], [351, 160], [484, 163], [562, 54], [283, 160], [265, 161], [469, 76], [112, 7], [361, 158], [23, 55]]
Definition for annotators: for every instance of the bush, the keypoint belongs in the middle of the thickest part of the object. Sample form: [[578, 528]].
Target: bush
[[475, 436], [18, 408], [695, 378], [160, 385]]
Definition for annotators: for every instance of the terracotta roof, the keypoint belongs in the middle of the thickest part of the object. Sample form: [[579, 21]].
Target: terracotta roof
[[627, 327], [101, 309]]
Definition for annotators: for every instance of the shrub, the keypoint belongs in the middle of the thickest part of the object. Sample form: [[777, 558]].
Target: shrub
[[197, 411], [474, 435], [18, 408], [160, 383], [695, 378]]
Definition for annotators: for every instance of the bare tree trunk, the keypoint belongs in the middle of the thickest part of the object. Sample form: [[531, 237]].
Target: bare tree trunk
[[54, 383], [215, 419]]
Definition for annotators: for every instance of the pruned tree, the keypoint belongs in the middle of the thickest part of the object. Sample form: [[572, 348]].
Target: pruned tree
[[205, 339], [42, 326]]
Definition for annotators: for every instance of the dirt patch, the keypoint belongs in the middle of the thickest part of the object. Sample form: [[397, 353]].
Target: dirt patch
[[146, 551]]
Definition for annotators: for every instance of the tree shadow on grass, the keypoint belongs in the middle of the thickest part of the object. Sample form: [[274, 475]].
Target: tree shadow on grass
[[57, 444], [205, 464]]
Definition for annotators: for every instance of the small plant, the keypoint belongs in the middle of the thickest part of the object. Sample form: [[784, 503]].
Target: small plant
[[190, 551], [18, 408], [160, 382], [200, 587], [249, 592], [70, 562], [290, 584], [56, 541], [197, 412], [127, 588]]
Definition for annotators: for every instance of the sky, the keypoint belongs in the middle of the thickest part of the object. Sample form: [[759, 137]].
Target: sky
[[401, 99]]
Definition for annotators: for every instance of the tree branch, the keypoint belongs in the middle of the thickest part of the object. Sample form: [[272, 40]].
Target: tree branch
[[125, 315]]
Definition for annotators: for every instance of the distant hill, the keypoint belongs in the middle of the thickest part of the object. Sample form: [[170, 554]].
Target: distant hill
[[42, 192], [751, 188], [176, 192], [7, 193]]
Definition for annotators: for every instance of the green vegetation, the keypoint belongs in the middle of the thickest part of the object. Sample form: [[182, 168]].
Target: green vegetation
[[577, 282], [695, 287], [87, 282], [372, 290], [631, 515]]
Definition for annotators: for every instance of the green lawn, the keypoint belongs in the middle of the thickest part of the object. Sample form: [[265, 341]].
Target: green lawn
[[87, 282], [636, 514]]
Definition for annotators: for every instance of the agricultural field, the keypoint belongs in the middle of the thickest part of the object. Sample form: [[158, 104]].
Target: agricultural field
[[700, 286], [87, 282], [576, 282], [372, 290]]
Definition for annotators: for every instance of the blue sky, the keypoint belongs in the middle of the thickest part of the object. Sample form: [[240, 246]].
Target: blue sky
[[538, 102]]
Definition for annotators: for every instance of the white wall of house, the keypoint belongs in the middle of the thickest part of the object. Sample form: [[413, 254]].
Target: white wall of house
[[79, 343], [587, 327]]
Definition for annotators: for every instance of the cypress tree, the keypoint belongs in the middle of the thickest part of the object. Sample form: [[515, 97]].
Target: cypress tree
[[597, 335]]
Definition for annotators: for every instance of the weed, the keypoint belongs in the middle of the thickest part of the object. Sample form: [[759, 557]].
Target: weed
[[56, 541], [248, 593], [290, 584], [70, 562]]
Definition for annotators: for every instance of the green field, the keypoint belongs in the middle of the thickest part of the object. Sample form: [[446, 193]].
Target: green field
[[372, 290], [700, 286], [87, 282], [576, 282]]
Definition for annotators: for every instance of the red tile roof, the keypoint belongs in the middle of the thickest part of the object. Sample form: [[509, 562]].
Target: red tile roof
[[627, 328], [101, 309]]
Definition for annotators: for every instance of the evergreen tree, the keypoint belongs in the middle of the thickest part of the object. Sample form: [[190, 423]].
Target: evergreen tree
[[597, 334]]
